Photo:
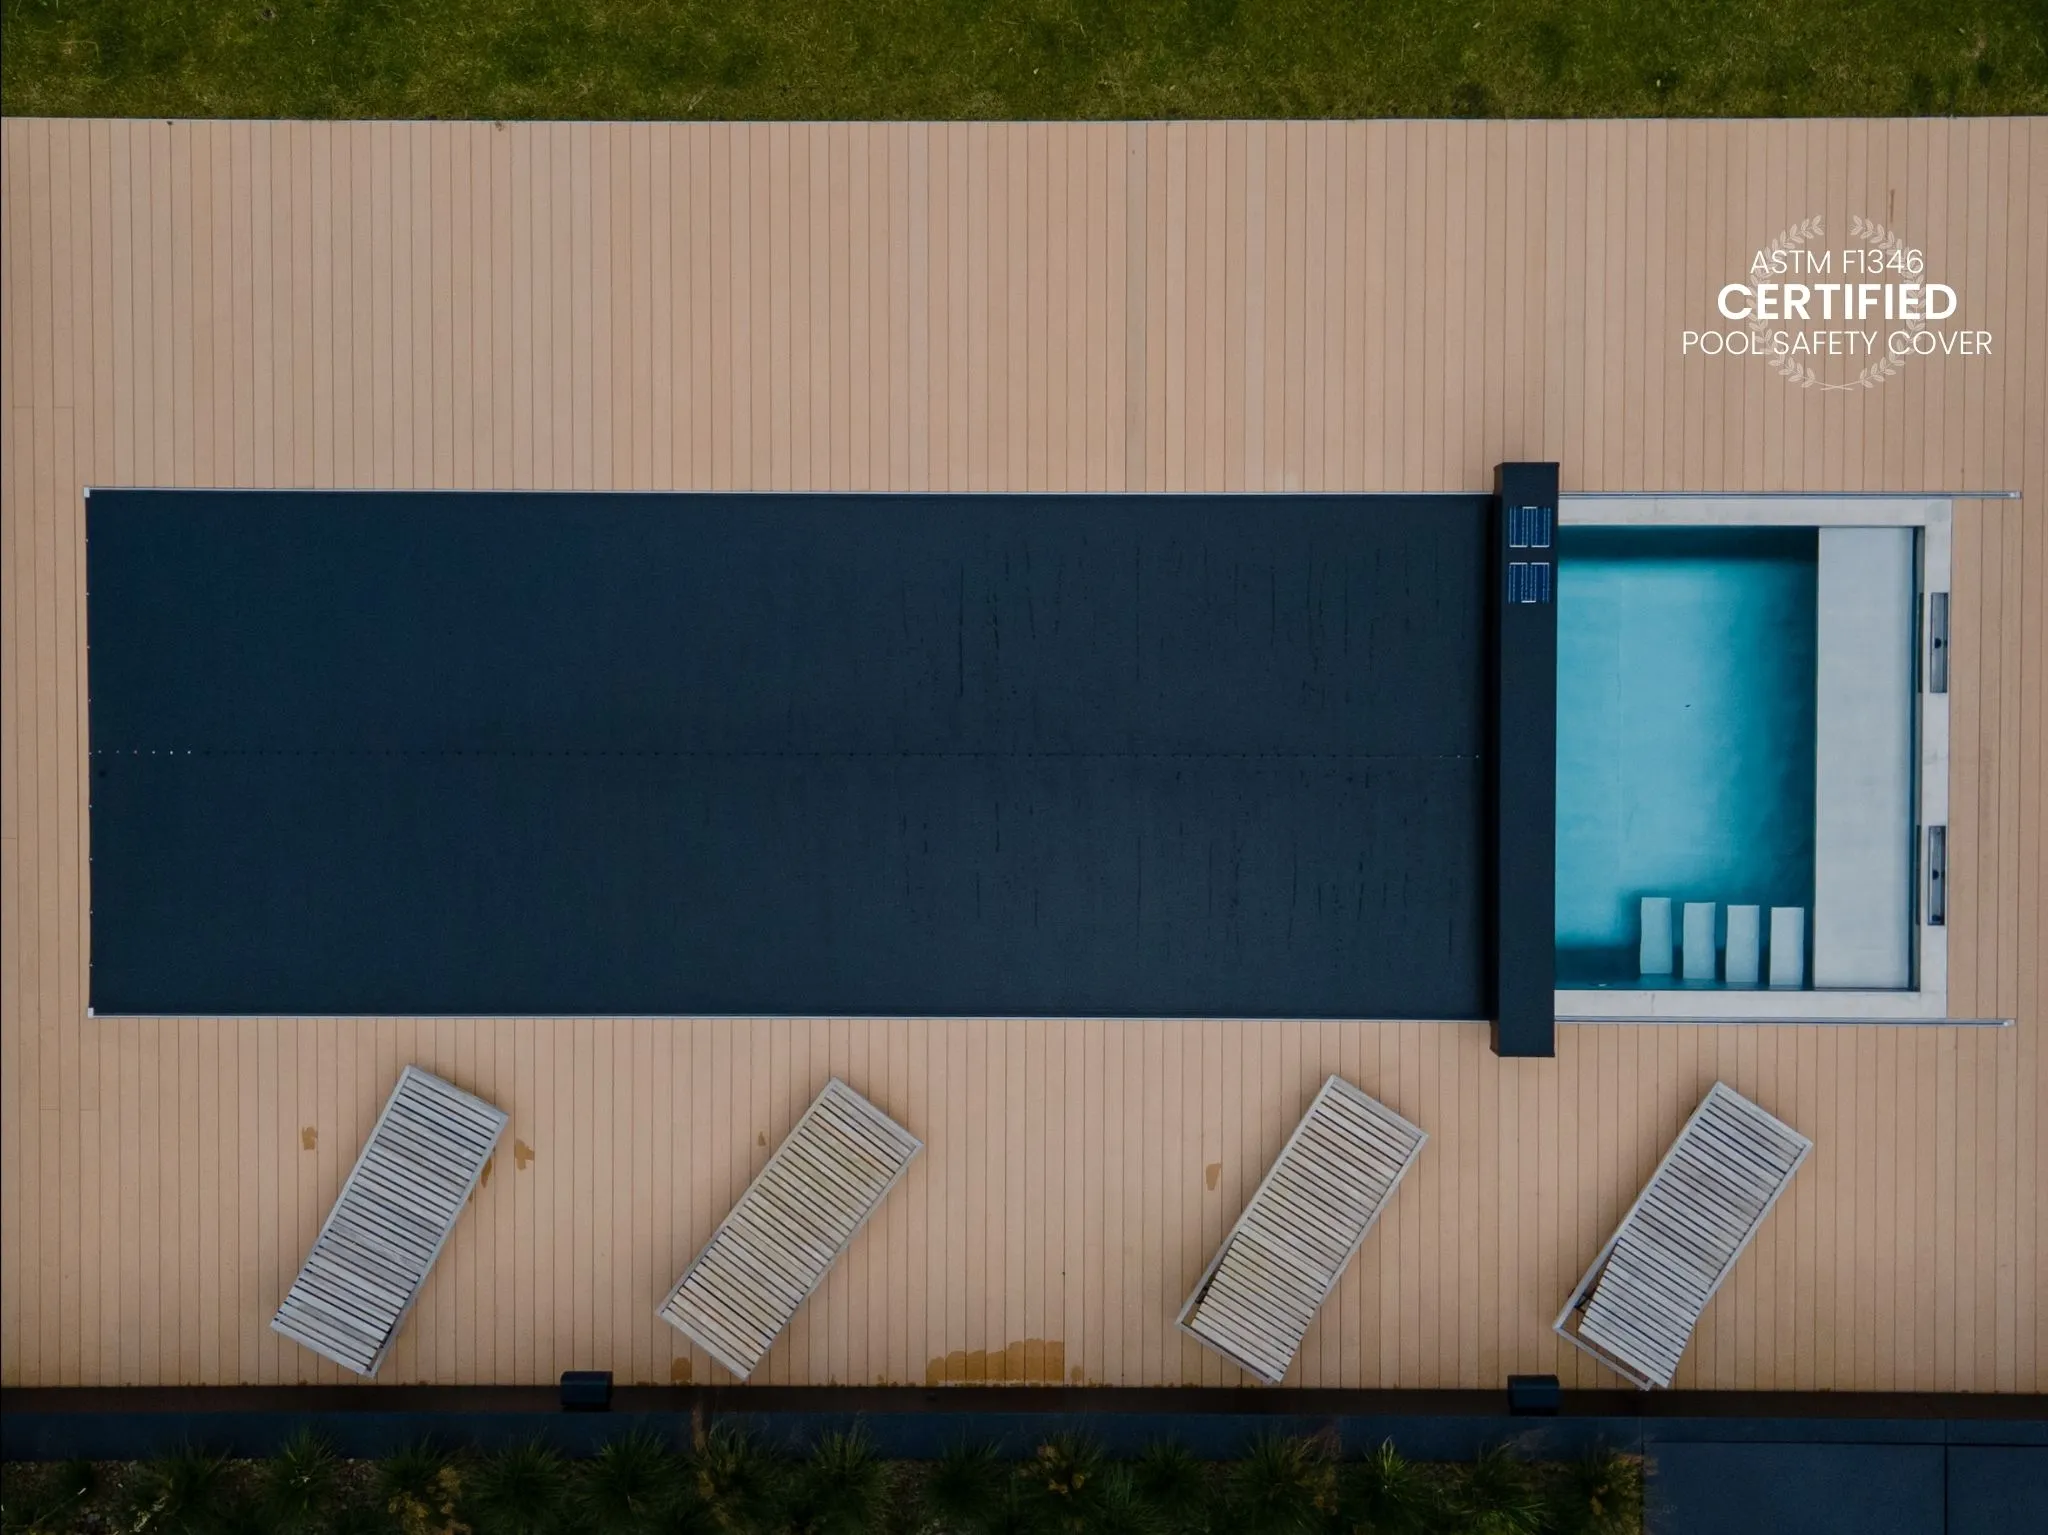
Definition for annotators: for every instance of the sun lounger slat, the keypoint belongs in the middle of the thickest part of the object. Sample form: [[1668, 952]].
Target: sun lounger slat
[[1331, 1181], [1637, 1306], [790, 1226], [395, 1212]]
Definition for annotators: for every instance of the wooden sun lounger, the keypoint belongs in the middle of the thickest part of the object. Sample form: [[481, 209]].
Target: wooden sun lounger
[[1285, 1254], [395, 1212], [1637, 1306], [790, 1226]]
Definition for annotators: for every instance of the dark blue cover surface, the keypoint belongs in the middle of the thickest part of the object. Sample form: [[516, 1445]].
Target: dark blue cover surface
[[1797, 1489], [585, 754], [1997, 1490]]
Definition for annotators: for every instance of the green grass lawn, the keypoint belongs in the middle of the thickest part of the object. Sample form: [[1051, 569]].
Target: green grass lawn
[[1022, 58]]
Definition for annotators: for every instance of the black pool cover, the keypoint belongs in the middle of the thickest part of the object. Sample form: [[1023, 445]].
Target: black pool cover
[[881, 755]]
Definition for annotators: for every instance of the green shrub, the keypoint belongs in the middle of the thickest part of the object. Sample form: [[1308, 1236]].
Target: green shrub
[[1283, 1486], [1120, 1508], [631, 1487], [1497, 1496], [297, 1487], [39, 1500], [1175, 1486], [732, 1484], [1063, 1484], [1387, 1494], [735, 1481], [184, 1493], [969, 1491], [1598, 1494], [520, 1491], [420, 1491], [840, 1489]]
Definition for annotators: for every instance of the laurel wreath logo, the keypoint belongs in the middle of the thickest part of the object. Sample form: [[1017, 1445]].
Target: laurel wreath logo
[[1795, 372], [1791, 369], [1884, 365]]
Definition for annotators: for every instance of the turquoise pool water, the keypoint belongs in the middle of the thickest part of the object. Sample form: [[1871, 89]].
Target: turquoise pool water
[[1685, 730]]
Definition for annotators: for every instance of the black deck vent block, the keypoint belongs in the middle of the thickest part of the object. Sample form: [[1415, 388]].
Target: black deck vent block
[[586, 1391], [1534, 1396]]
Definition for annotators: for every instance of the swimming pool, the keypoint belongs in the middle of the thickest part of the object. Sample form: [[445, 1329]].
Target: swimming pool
[[1686, 731]]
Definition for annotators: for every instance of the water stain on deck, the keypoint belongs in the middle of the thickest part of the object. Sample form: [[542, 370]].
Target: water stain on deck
[[1210, 1174], [484, 1181], [309, 1138], [679, 1372], [522, 1155], [1028, 1359]]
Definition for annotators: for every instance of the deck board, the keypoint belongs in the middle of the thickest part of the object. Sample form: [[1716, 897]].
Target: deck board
[[1370, 307]]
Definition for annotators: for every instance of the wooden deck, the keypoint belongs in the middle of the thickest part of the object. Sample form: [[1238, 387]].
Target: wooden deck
[[1386, 307]]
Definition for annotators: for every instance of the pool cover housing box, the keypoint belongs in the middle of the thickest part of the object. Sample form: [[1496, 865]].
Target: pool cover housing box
[[1522, 710], [585, 754]]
